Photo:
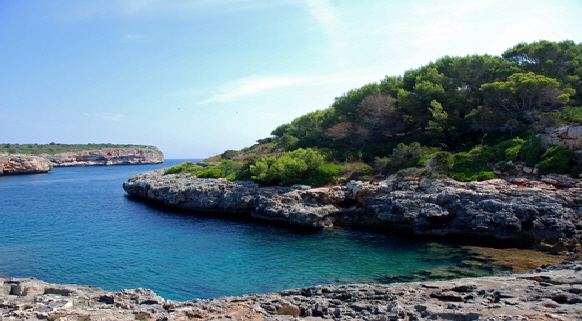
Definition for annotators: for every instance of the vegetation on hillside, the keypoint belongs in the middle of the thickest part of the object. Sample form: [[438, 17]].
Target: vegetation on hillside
[[458, 116], [55, 148]]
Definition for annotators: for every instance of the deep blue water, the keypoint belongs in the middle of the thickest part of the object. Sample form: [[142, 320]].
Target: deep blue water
[[77, 225]]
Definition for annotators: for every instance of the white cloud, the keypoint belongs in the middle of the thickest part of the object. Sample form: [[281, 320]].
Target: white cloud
[[106, 116], [134, 38], [248, 86], [344, 80], [330, 21]]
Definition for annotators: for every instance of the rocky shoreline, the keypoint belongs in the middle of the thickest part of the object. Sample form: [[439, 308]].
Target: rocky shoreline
[[546, 293], [13, 164], [543, 212]]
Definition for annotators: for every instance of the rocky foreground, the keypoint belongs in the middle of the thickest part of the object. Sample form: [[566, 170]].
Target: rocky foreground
[[544, 213], [547, 293]]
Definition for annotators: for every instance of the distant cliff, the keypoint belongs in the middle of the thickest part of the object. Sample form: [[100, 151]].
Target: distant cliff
[[108, 156], [28, 164], [23, 164]]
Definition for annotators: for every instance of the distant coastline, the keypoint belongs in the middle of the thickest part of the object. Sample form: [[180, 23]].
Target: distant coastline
[[39, 161]]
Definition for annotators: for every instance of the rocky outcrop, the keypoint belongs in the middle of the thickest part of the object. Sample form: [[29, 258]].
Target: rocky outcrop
[[543, 213], [23, 164], [550, 293], [567, 136], [108, 156]]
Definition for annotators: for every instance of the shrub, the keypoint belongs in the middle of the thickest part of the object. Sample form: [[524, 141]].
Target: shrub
[[352, 170], [228, 167], [470, 167], [572, 115], [301, 166], [409, 172], [380, 163], [186, 167], [550, 119], [440, 162], [224, 169], [211, 172], [532, 151], [229, 154], [364, 173], [556, 159], [404, 156], [512, 153], [323, 174]]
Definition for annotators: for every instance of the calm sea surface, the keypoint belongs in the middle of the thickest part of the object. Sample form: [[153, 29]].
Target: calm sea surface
[[77, 225]]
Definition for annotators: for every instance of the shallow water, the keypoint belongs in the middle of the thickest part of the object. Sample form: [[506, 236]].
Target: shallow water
[[77, 225]]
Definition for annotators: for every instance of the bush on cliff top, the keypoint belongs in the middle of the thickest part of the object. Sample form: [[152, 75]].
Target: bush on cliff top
[[301, 166], [226, 169]]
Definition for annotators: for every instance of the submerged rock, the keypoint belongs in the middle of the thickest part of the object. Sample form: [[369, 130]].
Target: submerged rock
[[545, 214], [549, 293]]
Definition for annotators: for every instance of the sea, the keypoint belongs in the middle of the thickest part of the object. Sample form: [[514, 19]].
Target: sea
[[76, 225]]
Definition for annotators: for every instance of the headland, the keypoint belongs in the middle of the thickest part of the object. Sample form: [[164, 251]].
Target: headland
[[542, 213], [11, 164]]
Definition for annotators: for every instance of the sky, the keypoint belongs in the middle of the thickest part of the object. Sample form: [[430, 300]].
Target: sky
[[198, 77]]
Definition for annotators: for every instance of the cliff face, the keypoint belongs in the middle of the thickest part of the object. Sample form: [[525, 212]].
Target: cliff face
[[544, 213], [109, 156], [23, 164], [568, 136]]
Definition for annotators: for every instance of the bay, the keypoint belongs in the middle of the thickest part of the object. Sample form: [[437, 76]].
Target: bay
[[77, 225]]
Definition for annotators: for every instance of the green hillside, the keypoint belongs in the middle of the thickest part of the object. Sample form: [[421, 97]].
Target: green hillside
[[456, 116]]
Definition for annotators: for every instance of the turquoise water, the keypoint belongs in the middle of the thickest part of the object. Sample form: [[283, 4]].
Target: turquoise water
[[77, 225]]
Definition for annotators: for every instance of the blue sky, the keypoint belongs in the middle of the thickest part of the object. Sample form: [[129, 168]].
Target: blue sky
[[197, 77]]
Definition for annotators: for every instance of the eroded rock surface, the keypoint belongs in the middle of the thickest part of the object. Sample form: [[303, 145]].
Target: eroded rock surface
[[551, 293], [566, 136], [108, 156], [23, 164], [544, 213]]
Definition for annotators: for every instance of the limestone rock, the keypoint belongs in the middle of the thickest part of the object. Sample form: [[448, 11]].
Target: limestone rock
[[544, 213], [548, 293], [108, 156], [23, 164], [567, 136]]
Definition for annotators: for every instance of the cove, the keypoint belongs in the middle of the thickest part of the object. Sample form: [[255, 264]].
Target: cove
[[77, 225]]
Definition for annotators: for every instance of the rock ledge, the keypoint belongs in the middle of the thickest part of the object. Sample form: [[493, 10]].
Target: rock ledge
[[550, 293]]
